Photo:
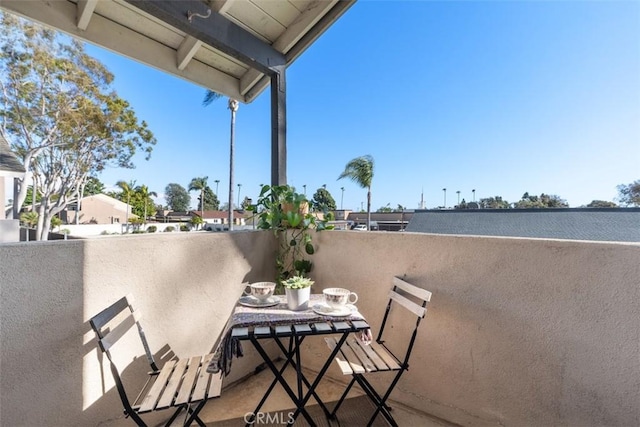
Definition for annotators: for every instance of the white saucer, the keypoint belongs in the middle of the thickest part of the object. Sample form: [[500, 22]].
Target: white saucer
[[325, 310], [251, 301]]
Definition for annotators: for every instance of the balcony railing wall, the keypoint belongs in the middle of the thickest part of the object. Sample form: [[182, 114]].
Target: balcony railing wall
[[185, 285], [519, 331]]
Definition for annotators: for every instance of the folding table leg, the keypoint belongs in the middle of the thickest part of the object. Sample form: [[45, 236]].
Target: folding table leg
[[320, 375], [285, 386]]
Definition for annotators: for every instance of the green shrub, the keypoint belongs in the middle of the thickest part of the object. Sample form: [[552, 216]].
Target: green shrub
[[185, 228], [152, 229], [169, 229]]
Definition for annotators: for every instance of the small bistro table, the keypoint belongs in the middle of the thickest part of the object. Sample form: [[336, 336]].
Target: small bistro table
[[278, 323]]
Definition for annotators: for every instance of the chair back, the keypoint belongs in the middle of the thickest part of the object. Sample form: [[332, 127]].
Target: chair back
[[411, 298], [112, 324]]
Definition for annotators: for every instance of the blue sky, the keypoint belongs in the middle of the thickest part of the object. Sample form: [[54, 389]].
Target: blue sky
[[504, 97]]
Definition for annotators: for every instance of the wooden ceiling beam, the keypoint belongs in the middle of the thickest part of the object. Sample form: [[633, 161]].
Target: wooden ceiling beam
[[214, 30], [85, 11], [186, 51]]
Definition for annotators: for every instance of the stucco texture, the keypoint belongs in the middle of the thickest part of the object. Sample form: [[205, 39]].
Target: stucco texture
[[518, 332]]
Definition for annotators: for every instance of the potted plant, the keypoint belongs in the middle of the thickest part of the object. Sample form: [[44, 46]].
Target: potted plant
[[280, 209], [298, 290]]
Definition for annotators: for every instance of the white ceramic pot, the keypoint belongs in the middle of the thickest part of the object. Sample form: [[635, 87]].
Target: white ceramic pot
[[298, 299]]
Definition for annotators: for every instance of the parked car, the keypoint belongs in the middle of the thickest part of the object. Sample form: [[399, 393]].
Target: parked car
[[360, 227]]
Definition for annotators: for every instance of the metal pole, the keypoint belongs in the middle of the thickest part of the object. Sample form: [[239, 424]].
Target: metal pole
[[342, 198], [445, 197], [233, 106], [239, 186]]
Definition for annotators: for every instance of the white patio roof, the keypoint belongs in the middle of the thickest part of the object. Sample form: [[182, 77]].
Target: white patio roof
[[232, 51]]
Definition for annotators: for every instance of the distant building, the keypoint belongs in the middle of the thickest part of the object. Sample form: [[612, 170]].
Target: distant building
[[602, 224], [97, 209], [382, 221], [11, 168]]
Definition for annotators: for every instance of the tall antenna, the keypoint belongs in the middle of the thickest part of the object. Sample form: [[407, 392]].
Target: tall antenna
[[422, 199]]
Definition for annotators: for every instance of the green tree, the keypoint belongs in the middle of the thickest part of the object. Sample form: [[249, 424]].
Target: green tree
[[61, 115], [29, 218], [360, 171], [199, 184], [629, 195], [323, 201], [211, 202], [494, 203], [601, 204], [386, 208], [93, 186], [144, 195], [177, 197], [246, 203], [543, 201], [55, 222], [196, 221], [128, 189]]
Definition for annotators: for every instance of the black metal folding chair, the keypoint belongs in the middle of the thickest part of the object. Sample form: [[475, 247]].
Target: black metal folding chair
[[359, 359], [181, 384]]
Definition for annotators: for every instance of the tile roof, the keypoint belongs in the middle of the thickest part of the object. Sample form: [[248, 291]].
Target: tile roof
[[616, 224], [8, 160]]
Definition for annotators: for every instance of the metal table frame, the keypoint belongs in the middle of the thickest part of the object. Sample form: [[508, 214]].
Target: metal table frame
[[296, 333]]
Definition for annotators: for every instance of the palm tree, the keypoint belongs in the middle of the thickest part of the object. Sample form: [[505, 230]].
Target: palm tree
[[209, 97], [127, 190], [199, 184], [144, 192], [360, 171]]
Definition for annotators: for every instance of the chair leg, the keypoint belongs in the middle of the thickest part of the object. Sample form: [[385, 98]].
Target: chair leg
[[346, 391], [194, 414], [381, 404]]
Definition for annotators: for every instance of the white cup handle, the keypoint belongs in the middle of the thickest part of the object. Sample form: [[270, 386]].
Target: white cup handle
[[355, 298]]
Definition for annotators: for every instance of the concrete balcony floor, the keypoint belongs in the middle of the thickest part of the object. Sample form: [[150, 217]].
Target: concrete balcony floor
[[242, 397]]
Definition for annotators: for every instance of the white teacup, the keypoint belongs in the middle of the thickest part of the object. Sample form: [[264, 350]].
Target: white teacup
[[260, 290], [337, 298]]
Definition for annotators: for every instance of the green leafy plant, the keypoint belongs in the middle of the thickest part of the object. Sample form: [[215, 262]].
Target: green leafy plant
[[297, 282], [184, 227], [286, 213], [152, 229], [169, 229]]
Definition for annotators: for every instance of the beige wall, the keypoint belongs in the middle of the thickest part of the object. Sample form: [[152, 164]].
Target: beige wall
[[184, 284], [519, 331]]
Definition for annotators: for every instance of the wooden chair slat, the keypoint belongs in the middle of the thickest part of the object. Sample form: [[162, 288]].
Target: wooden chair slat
[[169, 393], [111, 337], [340, 360], [150, 400], [408, 304], [202, 382], [189, 381], [215, 386], [105, 316], [417, 292], [353, 360], [373, 356], [360, 354], [384, 355]]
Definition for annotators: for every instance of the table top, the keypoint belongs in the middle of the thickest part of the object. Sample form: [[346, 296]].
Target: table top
[[278, 321]]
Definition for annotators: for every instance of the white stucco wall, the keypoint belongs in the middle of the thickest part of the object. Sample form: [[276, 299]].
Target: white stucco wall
[[519, 331], [185, 285]]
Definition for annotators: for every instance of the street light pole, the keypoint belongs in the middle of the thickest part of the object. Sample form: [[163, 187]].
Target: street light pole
[[458, 192], [474, 194], [217, 181], [445, 197], [342, 198], [304, 186], [239, 186]]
